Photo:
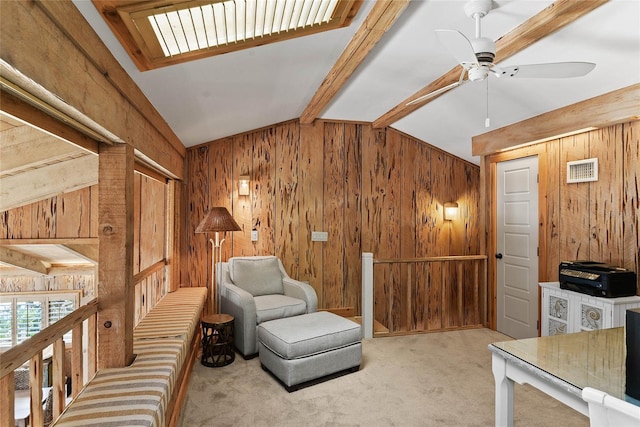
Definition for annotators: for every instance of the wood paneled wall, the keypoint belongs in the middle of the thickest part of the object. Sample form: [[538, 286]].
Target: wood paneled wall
[[371, 190], [34, 283], [595, 220], [149, 239], [599, 220], [74, 215], [67, 215]]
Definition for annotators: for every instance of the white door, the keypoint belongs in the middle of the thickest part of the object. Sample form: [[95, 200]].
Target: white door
[[517, 247]]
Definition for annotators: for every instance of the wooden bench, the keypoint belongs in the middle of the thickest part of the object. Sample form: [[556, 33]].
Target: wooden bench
[[149, 392]]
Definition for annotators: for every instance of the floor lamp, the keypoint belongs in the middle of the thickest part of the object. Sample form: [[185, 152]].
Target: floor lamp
[[217, 219]]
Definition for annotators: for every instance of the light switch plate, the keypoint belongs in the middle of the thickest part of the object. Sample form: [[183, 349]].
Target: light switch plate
[[319, 236], [254, 235]]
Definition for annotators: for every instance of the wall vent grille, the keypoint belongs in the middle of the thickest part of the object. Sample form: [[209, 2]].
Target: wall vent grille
[[582, 171]]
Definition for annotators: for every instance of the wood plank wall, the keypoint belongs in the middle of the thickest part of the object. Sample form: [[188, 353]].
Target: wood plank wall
[[74, 215], [377, 191], [596, 219], [67, 215], [149, 222], [593, 220]]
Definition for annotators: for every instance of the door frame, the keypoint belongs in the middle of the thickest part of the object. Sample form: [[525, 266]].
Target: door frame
[[491, 164]]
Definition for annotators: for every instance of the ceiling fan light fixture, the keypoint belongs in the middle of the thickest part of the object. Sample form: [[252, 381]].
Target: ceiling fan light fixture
[[477, 74]]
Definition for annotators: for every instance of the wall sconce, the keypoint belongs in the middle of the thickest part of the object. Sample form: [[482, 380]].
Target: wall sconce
[[243, 185], [450, 211]]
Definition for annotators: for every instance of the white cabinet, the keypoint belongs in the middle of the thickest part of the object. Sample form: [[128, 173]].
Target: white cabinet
[[565, 311]]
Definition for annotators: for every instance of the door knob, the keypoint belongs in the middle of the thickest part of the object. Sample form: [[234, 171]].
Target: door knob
[[499, 255]]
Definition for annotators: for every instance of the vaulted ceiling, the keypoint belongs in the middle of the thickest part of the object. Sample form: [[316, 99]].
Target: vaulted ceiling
[[368, 72], [388, 56]]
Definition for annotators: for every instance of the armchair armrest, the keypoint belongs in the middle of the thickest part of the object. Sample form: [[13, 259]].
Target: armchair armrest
[[241, 305], [296, 289]]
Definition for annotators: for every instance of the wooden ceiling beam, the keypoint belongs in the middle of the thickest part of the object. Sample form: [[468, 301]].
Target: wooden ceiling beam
[[548, 21], [382, 16], [18, 259], [86, 252], [23, 148], [38, 184], [71, 270], [48, 241], [86, 41], [38, 119], [54, 270], [614, 107]]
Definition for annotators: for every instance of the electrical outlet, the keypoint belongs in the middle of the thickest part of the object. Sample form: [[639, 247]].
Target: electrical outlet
[[319, 236], [254, 235]]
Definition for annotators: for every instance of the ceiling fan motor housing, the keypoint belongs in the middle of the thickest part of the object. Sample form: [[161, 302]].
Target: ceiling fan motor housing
[[485, 50]]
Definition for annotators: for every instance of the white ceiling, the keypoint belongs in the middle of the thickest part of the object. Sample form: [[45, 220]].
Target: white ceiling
[[237, 92]]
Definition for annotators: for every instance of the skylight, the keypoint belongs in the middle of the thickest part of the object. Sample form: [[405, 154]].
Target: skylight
[[163, 32], [230, 21]]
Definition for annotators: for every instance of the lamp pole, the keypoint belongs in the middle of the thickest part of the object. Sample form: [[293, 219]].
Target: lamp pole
[[215, 245]]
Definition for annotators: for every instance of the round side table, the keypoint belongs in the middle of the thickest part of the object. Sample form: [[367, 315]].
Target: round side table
[[217, 340]]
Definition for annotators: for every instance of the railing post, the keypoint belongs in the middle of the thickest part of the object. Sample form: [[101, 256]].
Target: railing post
[[58, 389], [92, 347], [7, 390], [77, 377], [367, 295], [35, 384]]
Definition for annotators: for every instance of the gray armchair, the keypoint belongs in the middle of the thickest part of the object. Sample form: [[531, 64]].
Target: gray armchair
[[258, 289]]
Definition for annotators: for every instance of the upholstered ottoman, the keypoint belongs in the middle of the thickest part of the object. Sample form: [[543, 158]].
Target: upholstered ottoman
[[306, 349]]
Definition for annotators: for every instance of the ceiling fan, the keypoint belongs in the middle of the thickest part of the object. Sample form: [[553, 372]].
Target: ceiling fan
[[476, 56]]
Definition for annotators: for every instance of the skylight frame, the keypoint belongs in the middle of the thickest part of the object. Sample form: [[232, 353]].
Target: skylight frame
[[133, 24]]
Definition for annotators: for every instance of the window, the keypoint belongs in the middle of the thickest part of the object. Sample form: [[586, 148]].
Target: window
[[23, 315], [160, 32], [29, 319]]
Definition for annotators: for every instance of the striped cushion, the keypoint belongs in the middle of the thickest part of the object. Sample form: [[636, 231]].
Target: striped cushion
[[177, 314], [122, 396], [161, 352], [139, 394]]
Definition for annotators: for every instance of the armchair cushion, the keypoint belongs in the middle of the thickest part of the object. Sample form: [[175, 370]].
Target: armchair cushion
[[257, 275], [270, 307]]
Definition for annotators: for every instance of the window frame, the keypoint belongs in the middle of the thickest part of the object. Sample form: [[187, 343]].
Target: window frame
[[146, 53], [44, 298]]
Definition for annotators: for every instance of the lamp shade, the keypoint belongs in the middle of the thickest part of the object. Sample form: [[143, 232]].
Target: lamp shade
[[217, 219]]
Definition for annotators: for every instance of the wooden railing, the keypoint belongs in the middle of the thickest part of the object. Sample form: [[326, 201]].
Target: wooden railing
[[32, 349], [150, 287], [413, 295]]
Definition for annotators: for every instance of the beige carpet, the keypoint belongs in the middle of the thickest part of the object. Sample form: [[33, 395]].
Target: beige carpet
[[437, 379]]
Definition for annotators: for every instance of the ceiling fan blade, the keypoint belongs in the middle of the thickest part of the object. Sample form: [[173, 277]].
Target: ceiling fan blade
[[556, 70], [458, 45], [436, 92]]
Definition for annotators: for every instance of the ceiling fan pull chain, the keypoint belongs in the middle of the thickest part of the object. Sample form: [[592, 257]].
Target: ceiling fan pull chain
[[487, 121]]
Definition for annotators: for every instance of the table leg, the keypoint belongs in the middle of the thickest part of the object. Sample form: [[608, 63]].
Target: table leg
[[504, 391]]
